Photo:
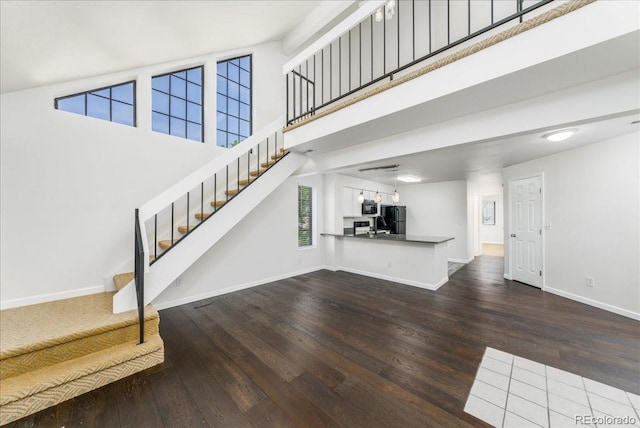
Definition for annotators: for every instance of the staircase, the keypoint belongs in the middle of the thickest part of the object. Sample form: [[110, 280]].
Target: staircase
[[226, 189], [54, 351]]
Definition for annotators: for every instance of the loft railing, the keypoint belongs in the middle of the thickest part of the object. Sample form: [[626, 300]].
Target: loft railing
[[372, 51], [166, 220]]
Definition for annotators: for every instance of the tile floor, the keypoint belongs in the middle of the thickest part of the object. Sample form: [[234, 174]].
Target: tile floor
[[510, 391]]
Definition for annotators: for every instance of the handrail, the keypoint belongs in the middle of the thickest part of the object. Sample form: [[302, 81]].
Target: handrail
[[301, 94], [184, 186], [139, 275]]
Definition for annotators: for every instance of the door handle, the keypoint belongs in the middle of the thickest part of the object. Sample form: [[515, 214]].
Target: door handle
[[513, 235]]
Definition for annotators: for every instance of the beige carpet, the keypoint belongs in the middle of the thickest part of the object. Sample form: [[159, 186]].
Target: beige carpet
[[493, 250], [55, 351]]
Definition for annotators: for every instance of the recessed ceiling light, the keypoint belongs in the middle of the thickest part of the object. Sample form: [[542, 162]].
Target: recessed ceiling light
[[409, 178], [559, 135]]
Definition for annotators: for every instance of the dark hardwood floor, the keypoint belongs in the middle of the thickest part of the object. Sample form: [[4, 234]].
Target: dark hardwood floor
[[337, 349]]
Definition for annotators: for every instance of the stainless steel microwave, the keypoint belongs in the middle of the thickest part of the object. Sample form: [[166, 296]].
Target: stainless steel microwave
[[369, 207]]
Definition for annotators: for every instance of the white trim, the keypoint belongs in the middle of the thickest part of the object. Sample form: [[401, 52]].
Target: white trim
[[507, 276], [610, 308], [214, 293], [492, 243], [425, 285], [469, 260], [350, 21], [50, 297]]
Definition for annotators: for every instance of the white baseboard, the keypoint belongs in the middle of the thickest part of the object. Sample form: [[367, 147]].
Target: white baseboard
[[50, 297], [425, 285], [507, 276], [219, 292], [616, 310], [469, 260]]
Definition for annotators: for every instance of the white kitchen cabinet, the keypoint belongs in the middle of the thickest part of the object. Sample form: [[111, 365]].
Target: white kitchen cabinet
[[350, 205]]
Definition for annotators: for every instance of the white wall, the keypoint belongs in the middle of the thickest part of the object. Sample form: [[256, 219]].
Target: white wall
[[494, 233], [262, 248], [439, 209], [591, 201], [70, 183]]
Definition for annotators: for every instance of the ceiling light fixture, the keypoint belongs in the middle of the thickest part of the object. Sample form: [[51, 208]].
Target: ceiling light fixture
[[379, 15], [375, 168], [396, 196], [409, 178], [560, 135], [390, 10]]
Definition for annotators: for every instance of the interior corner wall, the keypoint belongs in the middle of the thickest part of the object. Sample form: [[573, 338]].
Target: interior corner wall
[[262, 248], [591, 198], [70, 183], [439, 209]]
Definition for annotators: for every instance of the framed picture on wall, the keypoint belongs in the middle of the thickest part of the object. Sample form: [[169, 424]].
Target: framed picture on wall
[[489, 213]]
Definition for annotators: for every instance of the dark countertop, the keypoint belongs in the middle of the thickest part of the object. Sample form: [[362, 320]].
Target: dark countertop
[[396, 238]]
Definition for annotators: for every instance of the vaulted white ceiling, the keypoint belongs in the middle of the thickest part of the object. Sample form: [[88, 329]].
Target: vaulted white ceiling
[[43, 42]]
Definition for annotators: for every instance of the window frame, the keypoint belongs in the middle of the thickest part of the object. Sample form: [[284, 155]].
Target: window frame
[[185, 99], [134, 104], [312, 218], [238, 100]]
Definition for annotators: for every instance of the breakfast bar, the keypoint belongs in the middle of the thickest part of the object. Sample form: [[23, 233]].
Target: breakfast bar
[[420, 261]]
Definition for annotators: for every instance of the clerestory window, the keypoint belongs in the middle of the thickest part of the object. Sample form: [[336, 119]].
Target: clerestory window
[[233, 101], [177, 104], [114, 103]]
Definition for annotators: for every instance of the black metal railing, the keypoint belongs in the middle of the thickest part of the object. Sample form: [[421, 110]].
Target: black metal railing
[[373, 51], [215, 192], [256, 166], [139, 275]]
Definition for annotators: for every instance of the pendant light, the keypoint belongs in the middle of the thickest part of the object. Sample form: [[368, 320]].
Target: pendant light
[[377, 197], [361, 197], [379, 15], [395, 197]]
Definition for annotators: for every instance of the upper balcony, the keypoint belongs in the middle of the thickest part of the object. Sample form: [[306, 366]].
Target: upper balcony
[[398, 66]]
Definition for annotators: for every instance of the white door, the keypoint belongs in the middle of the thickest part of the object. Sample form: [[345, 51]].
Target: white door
[[526, 231]]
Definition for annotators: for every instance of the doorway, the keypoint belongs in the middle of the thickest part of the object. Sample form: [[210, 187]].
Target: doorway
[[525, 238], [492, 225]]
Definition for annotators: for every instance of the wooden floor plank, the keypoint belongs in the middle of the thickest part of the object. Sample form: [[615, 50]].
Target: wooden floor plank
[[338, 349]]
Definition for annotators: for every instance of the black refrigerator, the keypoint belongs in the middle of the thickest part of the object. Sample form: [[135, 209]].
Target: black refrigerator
[[396, 218]]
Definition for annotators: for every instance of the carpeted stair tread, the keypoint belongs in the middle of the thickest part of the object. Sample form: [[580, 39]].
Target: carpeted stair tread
[[122, 279], [246, 181], [202, 216], [57, 394], [218, 203], [184, 229], [23, 363], [257, 172], [278, 155], [36, 381], [165, 244], [29, 328]]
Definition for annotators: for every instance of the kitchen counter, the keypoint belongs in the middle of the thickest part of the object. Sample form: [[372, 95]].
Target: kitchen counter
[[420, 261], [397, 238]]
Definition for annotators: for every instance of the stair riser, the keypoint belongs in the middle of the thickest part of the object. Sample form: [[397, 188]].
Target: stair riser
[[37, 359], [34, 403]]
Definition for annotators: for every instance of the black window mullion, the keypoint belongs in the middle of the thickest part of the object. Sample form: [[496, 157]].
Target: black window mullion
[[110, 99]]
